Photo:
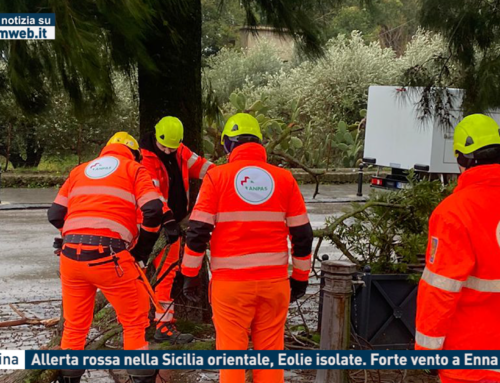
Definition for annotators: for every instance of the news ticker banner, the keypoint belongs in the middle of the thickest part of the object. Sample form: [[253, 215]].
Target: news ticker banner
[[27, 26], [312, 360]]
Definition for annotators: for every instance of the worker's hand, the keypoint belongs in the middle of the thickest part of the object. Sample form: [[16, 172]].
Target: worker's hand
[[139, 257], [298, 289], [142, 265], [57, 245], [191, 288], [172, 231]]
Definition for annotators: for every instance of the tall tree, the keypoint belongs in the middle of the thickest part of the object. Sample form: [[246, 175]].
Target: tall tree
[[174, 88], [161, 38]]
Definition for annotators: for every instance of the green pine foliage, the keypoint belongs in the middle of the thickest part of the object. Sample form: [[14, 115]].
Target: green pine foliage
[[390, 231], [471, 29], [99, 40], [93, 38]]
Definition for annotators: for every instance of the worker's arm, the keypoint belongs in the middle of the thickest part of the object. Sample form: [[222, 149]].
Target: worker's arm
[[201, 225], [449, 262], [301, 235], [168, 222], [152, 208], [197, 165], [57, 212], [154, 173]]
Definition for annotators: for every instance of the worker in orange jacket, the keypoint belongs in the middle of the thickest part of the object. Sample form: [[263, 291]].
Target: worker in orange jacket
[[247, 209], [171, 165], [96, 212], [459, 293]]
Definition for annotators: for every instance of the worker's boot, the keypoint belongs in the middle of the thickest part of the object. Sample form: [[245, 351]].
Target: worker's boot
[[142, 376], [167, 332], [70, 376]]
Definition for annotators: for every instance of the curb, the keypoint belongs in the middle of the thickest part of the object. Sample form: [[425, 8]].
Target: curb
[[10, 180], [339, 176], [336, 200], [5, 206]]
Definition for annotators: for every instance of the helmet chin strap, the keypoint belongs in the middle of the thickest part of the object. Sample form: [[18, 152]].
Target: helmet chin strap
[[484, 156], [228, 145], [466, 162], [232, 142]]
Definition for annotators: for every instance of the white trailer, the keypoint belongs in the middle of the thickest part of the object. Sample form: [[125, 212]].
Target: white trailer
[[397, 138]]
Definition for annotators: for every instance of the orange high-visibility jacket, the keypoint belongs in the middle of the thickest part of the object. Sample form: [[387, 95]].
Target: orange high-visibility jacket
[[101, 197], [458, 306], [191, 165], [249, 208]]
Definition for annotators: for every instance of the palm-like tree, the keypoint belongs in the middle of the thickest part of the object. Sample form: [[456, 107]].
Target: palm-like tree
[[472, 62]]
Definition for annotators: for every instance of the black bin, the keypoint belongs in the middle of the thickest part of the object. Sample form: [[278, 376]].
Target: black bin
[[383, 312]]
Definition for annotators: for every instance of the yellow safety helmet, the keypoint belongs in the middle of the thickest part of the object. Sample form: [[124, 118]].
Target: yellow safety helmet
[[475, 132], [241, 124], [169, 132], [125, 139]]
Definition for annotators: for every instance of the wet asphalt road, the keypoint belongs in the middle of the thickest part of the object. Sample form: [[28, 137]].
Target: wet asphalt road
[[29, 269]]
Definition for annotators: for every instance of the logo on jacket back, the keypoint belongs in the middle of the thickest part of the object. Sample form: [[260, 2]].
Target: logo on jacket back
[[254, 185], [101, 167]]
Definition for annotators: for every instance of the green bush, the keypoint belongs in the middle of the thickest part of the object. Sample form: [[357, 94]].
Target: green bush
[[335, 87], [391, 229], [60, 136], [326, 98], [231, 69]]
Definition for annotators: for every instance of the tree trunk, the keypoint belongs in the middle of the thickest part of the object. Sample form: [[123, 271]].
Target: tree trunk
[[15, 158], [175, 89], [9, 145], [34, 150]]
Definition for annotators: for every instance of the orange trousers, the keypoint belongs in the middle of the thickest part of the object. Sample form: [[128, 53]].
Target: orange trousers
[[164, 289], [255, 308], [126, 293]]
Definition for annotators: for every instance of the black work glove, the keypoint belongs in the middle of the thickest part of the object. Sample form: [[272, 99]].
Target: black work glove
[[57, 245], [140, 256], [298, 289], [172, 231], [191, 288]]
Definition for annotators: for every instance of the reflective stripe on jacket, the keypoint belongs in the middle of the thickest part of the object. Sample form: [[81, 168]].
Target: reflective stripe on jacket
[[459, 293], [247, 209], [101, 197], [191, 165]]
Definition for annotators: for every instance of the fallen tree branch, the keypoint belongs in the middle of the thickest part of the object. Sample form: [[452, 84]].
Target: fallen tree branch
[[17, 311], [313, 172], [32, 376], [35, 302], [107, 335], [329, 229], [315, 257], [292, 160], [307, 340], [292, 346], [303, 318], [343, 248], [292, 335], [48, 376], [286, 133], [30, 321]]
